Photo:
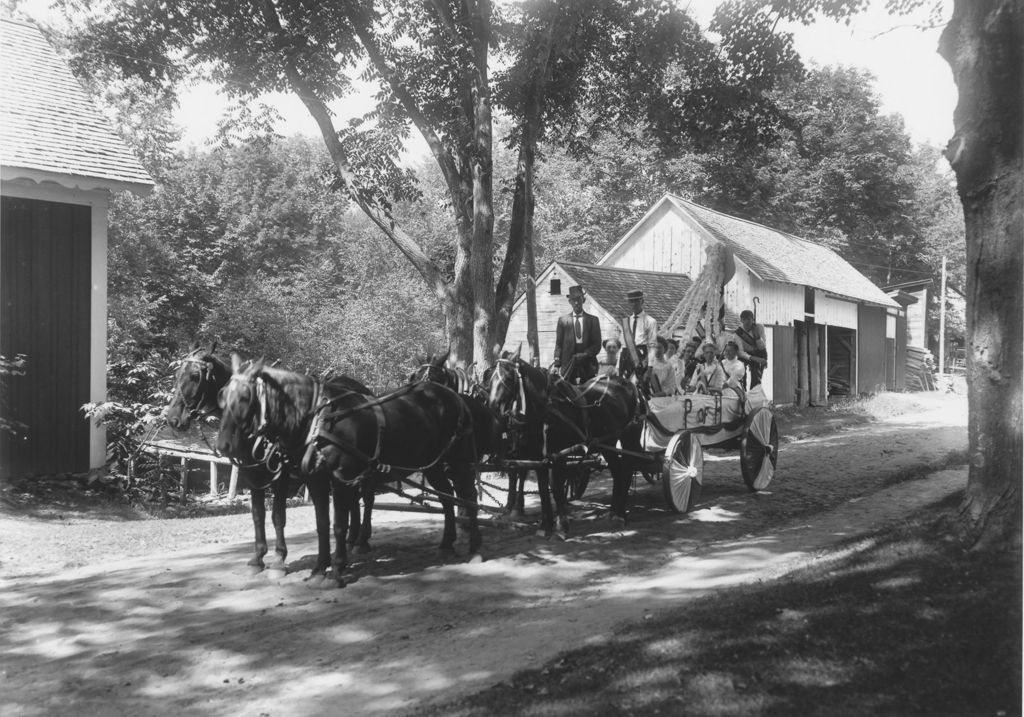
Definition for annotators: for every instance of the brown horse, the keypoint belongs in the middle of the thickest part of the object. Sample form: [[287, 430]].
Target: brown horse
[[199, 378], [552, 419], [488, 431], [349, 442]]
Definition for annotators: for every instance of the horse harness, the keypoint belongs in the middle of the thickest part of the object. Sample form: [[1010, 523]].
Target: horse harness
[[374, 466]]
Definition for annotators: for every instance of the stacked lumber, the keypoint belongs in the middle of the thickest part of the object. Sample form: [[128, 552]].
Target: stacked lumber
[[920, 369]]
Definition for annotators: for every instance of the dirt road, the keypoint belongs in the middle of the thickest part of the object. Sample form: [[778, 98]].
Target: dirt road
[[191, 632]]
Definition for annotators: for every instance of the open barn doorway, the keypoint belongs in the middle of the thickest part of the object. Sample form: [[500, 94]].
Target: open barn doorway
[[842, 361]]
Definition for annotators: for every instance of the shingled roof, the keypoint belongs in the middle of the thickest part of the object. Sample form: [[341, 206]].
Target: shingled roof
[[49, 124], [777, 256], [608, 285]]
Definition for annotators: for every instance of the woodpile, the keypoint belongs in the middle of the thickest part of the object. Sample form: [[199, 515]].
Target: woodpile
[[920, 369]]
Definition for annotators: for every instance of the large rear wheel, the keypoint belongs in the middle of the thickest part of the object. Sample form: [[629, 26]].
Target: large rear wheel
[[682, 474], [759, 449]]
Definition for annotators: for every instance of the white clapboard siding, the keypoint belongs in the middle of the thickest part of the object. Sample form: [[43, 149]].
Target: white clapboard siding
[[834, 311], [664, 242]]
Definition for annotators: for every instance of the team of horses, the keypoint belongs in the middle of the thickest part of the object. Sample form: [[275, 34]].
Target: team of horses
[[283, 428]]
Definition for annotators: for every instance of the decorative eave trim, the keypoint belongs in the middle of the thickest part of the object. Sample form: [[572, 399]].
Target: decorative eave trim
[[73, 181]]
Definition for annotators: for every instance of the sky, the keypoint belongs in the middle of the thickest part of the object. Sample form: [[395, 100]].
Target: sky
[[912, 79]]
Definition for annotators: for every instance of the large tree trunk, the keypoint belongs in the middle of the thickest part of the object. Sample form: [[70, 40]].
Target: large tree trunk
[[983, 44]]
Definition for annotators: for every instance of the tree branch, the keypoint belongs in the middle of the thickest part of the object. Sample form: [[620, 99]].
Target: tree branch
[[430, 272], [441, 154]]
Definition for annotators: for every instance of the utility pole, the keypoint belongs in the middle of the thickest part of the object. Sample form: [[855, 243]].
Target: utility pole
[[942, 320]]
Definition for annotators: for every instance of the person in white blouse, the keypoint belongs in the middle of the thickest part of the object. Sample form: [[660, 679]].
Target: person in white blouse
[[709, 372], [735, 369]]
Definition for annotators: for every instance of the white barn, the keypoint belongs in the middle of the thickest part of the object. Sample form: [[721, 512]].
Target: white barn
[[831, 331]]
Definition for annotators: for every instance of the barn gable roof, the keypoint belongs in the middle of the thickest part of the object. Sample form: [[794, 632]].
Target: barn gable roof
[[773, 255], [607, 287], [49, 127]]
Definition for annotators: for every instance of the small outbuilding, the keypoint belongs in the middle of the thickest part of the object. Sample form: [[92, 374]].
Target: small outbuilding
[[60, 160]]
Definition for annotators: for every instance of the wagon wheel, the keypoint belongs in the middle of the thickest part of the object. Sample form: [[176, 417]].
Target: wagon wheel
[[577, 478], [759, 449], [682, 473]]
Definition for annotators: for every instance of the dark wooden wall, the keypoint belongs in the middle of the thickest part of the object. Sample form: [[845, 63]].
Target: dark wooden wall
[[871, 351], [45, 273], [783, 357]]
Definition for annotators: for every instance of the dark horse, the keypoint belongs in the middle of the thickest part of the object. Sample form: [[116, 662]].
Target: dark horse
[[198, 381], [554, 418], [488, 431], [349, 442]]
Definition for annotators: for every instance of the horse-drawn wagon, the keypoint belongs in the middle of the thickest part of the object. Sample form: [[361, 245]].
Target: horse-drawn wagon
[[677, 429]]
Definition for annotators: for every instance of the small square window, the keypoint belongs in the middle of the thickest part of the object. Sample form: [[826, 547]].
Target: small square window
[[556, 286]]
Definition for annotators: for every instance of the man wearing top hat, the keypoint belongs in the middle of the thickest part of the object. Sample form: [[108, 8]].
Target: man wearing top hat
[[577, 340], [639, 333]]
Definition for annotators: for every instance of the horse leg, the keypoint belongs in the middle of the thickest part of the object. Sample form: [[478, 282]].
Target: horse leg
[[354, 524], [622, 478], [561, 527], [439, 481], [366, 528], [344, 497], [464, 479], [544, 486], [516, 486], [257, 496], [319, 491], [277, 515]]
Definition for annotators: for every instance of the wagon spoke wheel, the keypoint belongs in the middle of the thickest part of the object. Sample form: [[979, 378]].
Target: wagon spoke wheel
[[759, 449], [577, 478], [682, 474]]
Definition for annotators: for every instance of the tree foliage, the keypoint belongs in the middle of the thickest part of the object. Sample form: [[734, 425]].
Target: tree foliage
[[568, 70]]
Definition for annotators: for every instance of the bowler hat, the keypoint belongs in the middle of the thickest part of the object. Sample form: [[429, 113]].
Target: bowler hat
[[576, 291]]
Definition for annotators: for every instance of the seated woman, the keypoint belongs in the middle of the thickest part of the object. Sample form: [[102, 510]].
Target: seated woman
[[708, 374], [663, 375], [610, 363], [735, 370]]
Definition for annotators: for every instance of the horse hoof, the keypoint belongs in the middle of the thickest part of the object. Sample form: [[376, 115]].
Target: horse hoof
[[254, 569], [475, 558], [447, 553], [316, 580], [617, 521], [362, 549], [277, 573]]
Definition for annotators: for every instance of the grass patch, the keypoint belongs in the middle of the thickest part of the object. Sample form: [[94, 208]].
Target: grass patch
[[908, 623]]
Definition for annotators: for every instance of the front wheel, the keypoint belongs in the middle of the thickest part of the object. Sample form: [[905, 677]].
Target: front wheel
[[759, 449], [682, 474]]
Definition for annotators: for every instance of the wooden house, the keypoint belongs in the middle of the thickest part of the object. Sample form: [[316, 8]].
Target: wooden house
[[830, 330], [59, 162]]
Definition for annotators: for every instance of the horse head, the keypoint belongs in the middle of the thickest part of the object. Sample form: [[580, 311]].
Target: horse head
[[433, 367], [239, 404], [199, 377]]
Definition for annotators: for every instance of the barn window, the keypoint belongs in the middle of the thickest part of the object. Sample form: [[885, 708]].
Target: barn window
[[808, 301], [556, 286]]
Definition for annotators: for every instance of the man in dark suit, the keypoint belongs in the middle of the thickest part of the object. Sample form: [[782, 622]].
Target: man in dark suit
[[577, 340]]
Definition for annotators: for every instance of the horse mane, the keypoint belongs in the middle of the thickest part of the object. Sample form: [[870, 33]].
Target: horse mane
[[289, 397]]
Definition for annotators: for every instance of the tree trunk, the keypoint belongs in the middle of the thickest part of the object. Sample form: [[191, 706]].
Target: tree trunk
[[983, 45], [481, 259], [520, 234]]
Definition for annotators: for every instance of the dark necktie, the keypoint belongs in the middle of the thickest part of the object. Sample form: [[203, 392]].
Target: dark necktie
[[633, 329], [579, 329]]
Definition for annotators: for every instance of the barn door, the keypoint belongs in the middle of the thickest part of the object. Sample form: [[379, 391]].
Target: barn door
[[871, 349], [783, 358], [45, 270]]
